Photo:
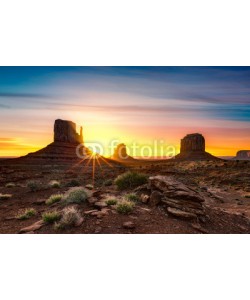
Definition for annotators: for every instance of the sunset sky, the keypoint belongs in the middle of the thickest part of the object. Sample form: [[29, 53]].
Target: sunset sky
[[128, 104]]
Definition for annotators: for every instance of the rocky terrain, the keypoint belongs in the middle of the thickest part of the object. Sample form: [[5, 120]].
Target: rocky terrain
[[172, 197]]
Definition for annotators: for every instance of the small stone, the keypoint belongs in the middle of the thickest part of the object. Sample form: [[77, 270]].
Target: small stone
[[89, 212], [99, 214], [198, 227], [129, 225], [98, 229], [79, 222], [9, 218], [144, 198], [89, 186], [100, 204], [32, 227], [39, 202], [92, 200]]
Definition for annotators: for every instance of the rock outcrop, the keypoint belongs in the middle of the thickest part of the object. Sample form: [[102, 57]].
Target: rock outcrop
[[64, 147], [65, 132], [242, 155], [193, 148], [180, 200]]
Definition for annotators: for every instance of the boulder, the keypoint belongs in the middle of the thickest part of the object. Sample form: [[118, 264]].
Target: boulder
[[174, 189], [180, 200], [155, 198]]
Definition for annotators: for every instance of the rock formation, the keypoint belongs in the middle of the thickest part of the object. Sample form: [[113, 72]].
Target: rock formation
[[179, 200], [242, 155], [64, 147], [65, 131], [120, 153], [193, 148]]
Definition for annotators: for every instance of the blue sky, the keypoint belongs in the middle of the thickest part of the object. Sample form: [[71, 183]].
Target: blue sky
[[137, 102]]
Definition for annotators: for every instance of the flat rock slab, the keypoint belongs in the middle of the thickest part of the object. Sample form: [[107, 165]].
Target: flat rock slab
[[181, 214], [32, 227], [174, 189]]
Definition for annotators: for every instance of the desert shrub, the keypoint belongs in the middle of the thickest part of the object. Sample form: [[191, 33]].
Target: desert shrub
[[54, 198], [130, 180], [125, 207], [5, 196], [110, 202], [77, 195], [73, 183], [70, 217], [26, 214], [54, 184], [51, 216], [108, 182], [132, 197], [10, 185], [33, 185]]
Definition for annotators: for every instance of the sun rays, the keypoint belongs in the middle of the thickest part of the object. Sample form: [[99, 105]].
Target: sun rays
[[93, 163]]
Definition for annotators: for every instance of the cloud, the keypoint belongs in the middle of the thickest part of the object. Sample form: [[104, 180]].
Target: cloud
[[20, 95], [7, 140], [4, 105]]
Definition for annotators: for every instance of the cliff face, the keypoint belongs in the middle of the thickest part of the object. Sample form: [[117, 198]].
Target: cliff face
[[193, 148], [65, 131], [193, 142]]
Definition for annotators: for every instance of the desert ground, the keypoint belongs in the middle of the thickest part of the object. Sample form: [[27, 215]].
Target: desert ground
[[25, 190]]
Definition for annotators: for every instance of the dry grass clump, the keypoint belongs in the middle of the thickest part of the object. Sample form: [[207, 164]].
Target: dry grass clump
[[70, 217], [132, 197], [54, 198], [33, 185], [26, 214], [125, 207], [130, 180], [54, 184], [51, 216], [76, 195], [111, 201]]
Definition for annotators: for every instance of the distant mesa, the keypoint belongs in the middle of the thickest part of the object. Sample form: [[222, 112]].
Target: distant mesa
[[242, 155], [120, 154], [64, 146], [193, 148]]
